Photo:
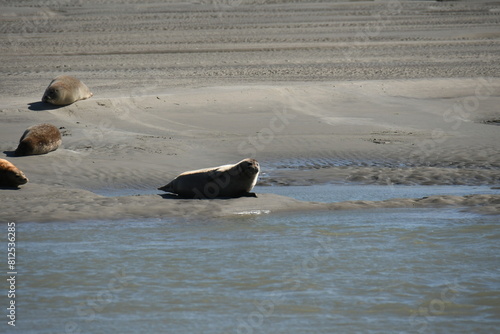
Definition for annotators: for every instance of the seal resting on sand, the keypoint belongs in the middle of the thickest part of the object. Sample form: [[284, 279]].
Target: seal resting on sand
[[224, 181], [39, 139], [64, 90], [10, 175]]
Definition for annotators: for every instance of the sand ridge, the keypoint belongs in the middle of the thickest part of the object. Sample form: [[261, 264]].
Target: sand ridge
[[317, 92], [142, 142]]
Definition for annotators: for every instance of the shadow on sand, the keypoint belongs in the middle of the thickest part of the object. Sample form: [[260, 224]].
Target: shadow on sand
[[10, 154], [173, 196], [10, 188], [40, 106]]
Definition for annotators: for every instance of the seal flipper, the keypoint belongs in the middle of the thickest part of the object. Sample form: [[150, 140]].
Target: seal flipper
[[249, 195]]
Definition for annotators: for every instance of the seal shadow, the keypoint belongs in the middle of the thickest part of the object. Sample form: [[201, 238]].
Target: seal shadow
[[9, 188], [10, 154], [40, 106], [174, 196]]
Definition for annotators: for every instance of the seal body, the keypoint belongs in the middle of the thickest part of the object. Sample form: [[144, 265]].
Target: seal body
[[10, 175], [64, 90], [224, 181], [39, 139]]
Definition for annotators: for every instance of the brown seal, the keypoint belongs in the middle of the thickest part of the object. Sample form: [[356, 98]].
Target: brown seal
[[39, 139], [64, 90], [10, 175], [224, 181]]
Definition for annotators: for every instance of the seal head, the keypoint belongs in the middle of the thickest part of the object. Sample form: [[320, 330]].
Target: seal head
[[51, 94], [10, 175]]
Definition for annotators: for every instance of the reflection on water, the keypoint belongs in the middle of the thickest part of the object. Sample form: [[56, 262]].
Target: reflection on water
[[369, 271]]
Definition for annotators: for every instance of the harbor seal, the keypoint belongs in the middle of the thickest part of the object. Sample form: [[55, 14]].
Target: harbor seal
[[224, 181], [10, 175], [64, 90], [39, 139]]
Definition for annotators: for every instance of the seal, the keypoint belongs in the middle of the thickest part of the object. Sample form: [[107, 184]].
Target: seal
[[10, 175], [64, 90], [39, 139], [224, 181]]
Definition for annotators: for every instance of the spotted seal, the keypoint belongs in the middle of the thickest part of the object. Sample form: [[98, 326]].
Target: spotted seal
[[39, 139], [224, 181], [64, 90]]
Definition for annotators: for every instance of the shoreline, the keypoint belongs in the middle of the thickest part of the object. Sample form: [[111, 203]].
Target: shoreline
[[73, 205]]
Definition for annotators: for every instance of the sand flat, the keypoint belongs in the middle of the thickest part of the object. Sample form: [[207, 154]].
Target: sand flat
[[387, 93]]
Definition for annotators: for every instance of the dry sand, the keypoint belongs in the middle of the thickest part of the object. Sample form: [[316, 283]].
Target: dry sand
[[321, 92]]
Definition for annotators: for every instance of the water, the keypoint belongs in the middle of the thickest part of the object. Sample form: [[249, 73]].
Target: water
[[347, 192], [327, 193], [365, 271]]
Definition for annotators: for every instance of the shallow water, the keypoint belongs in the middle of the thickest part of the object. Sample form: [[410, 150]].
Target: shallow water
[[327, 193], [369, 271]]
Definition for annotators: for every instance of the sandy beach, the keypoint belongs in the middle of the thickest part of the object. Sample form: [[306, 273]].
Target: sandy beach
[[390, 92]]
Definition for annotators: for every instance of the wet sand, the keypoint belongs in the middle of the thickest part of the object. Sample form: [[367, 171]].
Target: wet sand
[[350, 92]]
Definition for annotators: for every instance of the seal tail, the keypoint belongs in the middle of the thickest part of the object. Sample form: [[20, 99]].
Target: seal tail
[[168, 188]]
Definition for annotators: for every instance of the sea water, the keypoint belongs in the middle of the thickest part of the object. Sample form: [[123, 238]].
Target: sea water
[[353, 271]]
